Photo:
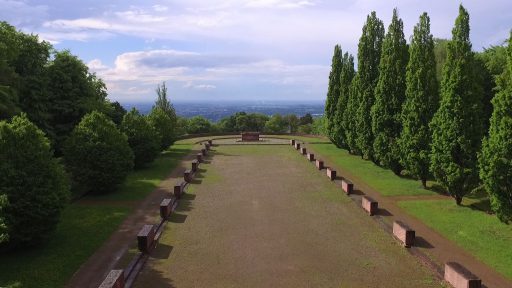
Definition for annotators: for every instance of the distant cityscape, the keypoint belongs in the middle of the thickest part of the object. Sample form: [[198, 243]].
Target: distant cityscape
[[214, 111]]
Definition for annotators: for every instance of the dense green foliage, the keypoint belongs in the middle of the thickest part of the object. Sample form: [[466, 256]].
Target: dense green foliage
[[3, 228], [163, 125], [198, 125], [456, 126], [143, 138], [333, 93], [241, 121], [368, 59], [496, 156], [421, 102], [162, 102], [116, 112], [97, 155], [276, 124], [389, 96], [349, 118], [346, 76], [34, 186]]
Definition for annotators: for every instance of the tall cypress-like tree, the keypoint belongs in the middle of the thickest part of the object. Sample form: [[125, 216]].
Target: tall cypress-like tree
[[496, 156], [347, 74], [368, 58], [456, 126], [333, 93], [389, 96], [421, 102], [349, 116]]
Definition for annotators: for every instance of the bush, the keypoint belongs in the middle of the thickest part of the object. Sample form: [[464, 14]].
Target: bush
[[163, 124], [198, 124], [276, 124], [142, 138], [97, 154], [34, 186]]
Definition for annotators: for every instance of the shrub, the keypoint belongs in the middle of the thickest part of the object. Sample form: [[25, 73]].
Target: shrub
[[198, 124], [34, 186], [163, 124], [97, 154], [142, 138]]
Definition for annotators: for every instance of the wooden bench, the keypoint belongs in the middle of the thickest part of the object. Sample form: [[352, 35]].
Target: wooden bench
[[199, 157], [297, 146], [292, 142], [311, 157], [114, 279], [179, 189], [371, 206], [203, 151], [303, 151], [145, 238], [166, 208], [187, 176], [404, 233], [319, 164], [347, 186], [195, 165], [331, 174], [460, 277]]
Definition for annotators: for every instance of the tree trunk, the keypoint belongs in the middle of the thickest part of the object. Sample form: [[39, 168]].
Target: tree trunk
[[458, 199], [424, 182]]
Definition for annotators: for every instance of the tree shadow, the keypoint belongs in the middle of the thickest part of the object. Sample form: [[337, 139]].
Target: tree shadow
[[437, 189]]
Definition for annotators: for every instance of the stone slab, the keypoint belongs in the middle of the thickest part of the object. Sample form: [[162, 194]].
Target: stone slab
[[460, 277], [203, 151], [114, 279], [297, 146], [187, 176], [347, 186], [179, 189], [371, 206], [195, 165], [292, 142], [311, 157], [331, 174], [199, 157], [210, 142], [166, 208], [404, 233], [303, 151], [319, 164], [145, 238]]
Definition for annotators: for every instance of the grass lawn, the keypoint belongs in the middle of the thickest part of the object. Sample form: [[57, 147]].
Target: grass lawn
[[480, 234], [84, 227]]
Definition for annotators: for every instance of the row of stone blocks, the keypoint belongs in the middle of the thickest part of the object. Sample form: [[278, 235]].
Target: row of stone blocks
[[148, 235]]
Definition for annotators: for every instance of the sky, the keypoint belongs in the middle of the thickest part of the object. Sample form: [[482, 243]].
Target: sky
[[230, 50]]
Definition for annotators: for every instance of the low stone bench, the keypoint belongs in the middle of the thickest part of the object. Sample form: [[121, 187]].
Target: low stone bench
[[331, 174], [145, 238], [297, 146], [210, 142], [311, 157], [207, 146], [195, 165], [371, 206], [199, 157], [114, 279], [347, 186], [166, 208], [203, 151], [179, 189], [460, 277], [292, 142], [319, 164], [187, 176], [303, 151], [404, 233]]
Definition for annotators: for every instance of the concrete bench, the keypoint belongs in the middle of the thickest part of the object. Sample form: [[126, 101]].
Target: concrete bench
[[331, 174], [199, 157], [187, 176], [166, 208], [460, 277], [311, 157], [347, 186], [297, 146], [195, 165], [210, 142], [145, 238], [179, 189], [203, 151], [404, 233], [303, 151], [292, 142], [371, 206], [114, 279], [319, 164]]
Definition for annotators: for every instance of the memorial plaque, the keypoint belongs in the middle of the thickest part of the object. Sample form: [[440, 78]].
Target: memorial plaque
[[207, 146], [311, 157], [250, 136], [145, 238], [114, 279], [404, 233], [347, 186], [460, 277], [166, 208], [319, 164], [331, 174]]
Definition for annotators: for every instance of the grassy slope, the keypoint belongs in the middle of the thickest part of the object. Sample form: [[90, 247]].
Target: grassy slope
[[84, 227], [481, 234]]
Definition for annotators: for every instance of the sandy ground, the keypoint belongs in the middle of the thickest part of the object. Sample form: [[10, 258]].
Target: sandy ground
[[263, 216]]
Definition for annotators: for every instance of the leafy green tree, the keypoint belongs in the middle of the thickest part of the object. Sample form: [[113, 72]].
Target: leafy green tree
[[305, 129], [142, 138], [389, 96], [456, 125], [8, 103], [319, 126], [164, 103], [276, 125], [369, 51], [333, 93], [496, 157], [198, 125], [306, 119], [97, 155], [349, 117], [346, 76], [292, 122], [164, 126], [421, 102], [181, 126], [440, 51], [116, 112], [34, 186], [3, 228]]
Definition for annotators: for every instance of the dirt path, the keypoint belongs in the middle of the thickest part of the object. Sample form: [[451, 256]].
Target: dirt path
[[94, 270], [432, 244], [262, 216]]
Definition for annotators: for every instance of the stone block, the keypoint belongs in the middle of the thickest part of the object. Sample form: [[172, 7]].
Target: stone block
[[114, 279], [145, 238], [195, 165], [460, 277], [303, 151], [371, 206], [404, 233], [331, 174], [319, 164], [199, 157], [179, 189], [292, 142], [187, 176], [210, 142], [166, 208], [207, 146], [297, 145], [347, 186], [311, 157], [203, 151]]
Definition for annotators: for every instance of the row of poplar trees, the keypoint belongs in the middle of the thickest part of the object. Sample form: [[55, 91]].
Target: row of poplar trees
[[394, 112]]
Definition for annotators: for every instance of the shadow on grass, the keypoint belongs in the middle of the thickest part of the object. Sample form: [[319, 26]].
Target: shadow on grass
[[420, 242], [384, 212], [177, 218], [162, 251], [437, 189]]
